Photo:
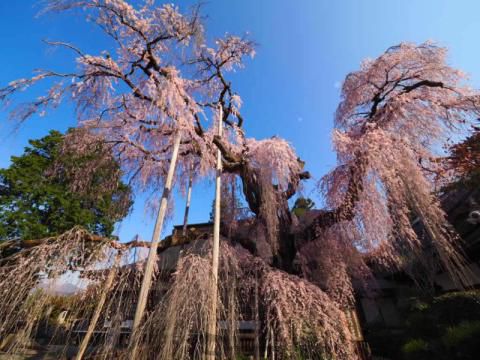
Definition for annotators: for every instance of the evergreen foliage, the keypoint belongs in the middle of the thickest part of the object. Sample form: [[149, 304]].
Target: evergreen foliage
[[37, 199]]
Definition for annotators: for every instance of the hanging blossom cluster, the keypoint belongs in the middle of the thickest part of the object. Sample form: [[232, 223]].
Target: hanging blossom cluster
[[333, 263], [276, 157], [296, 316], [299, 318], [393, 116], [23, 299], [274, 165], [180, 316], [304, 318], [33, 277]]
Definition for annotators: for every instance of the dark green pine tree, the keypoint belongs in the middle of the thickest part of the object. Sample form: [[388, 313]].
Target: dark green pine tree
[[37, 198]]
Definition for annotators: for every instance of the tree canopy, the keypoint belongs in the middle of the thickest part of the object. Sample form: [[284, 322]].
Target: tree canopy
[[38, 197], [163, 79]]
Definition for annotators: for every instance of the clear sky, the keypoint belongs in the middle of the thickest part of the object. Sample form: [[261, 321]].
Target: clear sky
[[291, 89]]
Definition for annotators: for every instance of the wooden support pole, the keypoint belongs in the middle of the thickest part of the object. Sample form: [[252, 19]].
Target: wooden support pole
[[273, 343], [212, 325], [152, 254], [257, 320], [187, 205], [265, 353], [98, 309]]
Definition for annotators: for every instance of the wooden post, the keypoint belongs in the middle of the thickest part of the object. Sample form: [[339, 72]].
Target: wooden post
[[273, 343], [233, 209], [212, 325], [187, 205], [98, 309], [265, 353], [152, 254], [257, 320], [232, 320]]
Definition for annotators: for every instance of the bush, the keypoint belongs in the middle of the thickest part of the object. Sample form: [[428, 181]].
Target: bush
[[453, 308], [461, 341], [416, 349], [443, 327], [446, 327], [456, 335]]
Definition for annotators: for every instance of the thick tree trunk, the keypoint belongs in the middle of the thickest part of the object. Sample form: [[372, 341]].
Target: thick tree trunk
[[287, 248], [252, 190]]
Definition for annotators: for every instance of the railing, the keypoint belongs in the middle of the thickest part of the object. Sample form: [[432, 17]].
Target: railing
[[246, 343]]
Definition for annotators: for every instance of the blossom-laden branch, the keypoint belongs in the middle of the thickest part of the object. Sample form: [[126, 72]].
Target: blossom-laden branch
[[395, 113], [163, 79], [136, 98], [14, 246]]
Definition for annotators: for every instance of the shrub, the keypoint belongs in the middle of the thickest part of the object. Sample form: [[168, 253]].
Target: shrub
[[453, 308], [416, 349], [456, 335]]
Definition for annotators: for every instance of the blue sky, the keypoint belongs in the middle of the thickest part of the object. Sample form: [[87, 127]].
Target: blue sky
[[291, 88]]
